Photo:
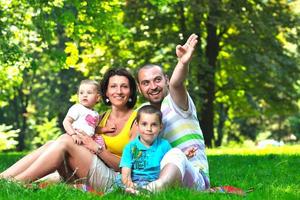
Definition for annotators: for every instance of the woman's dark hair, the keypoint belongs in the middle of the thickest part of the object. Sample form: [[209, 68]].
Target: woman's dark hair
[[118, 72]]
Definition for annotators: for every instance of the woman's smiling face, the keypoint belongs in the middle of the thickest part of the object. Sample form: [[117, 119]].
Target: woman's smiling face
[[118, 90]]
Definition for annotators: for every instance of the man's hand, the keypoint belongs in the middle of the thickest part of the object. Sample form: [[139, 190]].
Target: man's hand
[[185, 52], [190, 152], [177, 88]]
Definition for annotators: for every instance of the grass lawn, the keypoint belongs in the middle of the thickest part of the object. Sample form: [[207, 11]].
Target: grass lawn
[[273, 172]]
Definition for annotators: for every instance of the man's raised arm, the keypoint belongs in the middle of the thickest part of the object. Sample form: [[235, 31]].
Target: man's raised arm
[[177, 88]]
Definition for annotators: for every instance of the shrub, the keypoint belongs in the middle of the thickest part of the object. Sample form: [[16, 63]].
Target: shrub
[[7, 137]]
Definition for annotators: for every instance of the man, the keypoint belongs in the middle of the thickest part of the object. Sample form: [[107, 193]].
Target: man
[[181, 126]]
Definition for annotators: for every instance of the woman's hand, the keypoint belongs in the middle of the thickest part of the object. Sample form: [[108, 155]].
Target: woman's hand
[[99, 140], [87, 141], [107, 129], [110, 159]]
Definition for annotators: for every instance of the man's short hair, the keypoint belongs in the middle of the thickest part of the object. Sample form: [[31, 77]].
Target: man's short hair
[[147, 66]]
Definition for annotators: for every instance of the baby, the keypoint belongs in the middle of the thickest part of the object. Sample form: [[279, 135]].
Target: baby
[[81, 115]]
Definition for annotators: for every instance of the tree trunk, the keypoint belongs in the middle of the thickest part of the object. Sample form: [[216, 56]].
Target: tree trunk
[[222, 118], [22, 117], [211, 53]]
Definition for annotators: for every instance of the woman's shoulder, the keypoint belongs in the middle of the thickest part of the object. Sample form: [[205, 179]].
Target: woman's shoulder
[[105, 114], [134, 113]]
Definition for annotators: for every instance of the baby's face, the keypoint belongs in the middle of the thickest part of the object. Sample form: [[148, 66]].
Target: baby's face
[[88, 95], [149, 127]]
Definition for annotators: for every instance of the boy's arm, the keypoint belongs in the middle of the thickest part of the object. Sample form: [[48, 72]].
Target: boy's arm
[[126, 177], [177, 88]]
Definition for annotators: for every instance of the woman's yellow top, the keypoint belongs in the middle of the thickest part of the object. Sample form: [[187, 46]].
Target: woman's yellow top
[[115, 144]]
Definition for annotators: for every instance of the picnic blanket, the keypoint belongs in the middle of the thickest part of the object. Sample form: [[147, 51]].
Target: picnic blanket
[[229, 190]]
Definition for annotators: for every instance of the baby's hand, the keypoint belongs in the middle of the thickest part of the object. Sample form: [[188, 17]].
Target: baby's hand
[[76, 139], [190, 152]]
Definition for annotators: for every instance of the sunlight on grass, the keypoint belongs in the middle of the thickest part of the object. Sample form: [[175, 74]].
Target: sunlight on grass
[[272, 172], [288, 149]]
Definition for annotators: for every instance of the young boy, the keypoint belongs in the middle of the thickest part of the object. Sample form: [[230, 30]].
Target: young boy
[[82, 116], [141, 157]]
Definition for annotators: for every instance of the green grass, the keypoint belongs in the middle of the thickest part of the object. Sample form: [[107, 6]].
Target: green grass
[[274, 173]]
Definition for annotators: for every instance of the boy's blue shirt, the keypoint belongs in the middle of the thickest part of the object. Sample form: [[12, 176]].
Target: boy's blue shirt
[[144, 161]]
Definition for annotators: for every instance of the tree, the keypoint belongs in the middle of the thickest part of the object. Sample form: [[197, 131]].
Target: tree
[[245, 66], [240, 56], [46, 48]]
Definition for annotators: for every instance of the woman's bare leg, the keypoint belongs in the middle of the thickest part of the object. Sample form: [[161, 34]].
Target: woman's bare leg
[[51, 178], [78, 157], [66, 173], [22, 164]]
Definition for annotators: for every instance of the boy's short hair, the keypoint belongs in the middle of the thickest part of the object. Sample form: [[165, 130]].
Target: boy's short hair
[[149, 109], [90, 82]]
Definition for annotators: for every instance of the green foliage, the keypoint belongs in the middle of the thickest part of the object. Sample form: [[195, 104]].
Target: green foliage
[[48, 130], [46, 49], [8, 137], [295, 125], [17, 42], [252, 77], [246, 63]]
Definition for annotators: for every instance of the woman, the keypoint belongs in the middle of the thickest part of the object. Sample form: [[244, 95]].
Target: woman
[[95, 164]]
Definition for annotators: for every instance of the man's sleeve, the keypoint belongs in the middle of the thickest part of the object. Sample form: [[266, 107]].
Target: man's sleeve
[[184, 113]]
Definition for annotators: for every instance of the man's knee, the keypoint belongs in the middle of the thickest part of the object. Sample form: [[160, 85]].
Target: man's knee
[[175, 159], [175, 155]]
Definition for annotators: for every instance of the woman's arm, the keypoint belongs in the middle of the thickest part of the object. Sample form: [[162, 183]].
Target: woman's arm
[[110, 159]]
